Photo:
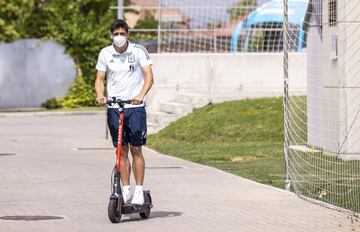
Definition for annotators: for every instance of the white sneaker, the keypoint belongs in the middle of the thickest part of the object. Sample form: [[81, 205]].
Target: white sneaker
[[126, 194], [138, 198]]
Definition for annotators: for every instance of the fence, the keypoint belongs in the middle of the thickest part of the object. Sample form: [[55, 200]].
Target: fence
[[242, 26]]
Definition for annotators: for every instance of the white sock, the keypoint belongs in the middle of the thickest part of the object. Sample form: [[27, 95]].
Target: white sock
[[126, 188], [139, 188]]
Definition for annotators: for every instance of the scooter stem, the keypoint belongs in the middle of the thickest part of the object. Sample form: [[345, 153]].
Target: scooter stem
[[120, 138]]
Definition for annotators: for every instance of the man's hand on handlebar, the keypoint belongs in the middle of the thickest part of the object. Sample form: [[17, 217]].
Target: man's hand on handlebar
[[101, 100], [137, 100]]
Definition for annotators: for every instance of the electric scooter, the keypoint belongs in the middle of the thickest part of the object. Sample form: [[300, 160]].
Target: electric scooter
[[116, 205]]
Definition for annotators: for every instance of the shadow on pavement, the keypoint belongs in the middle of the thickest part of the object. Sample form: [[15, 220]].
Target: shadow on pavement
[[155, 214]]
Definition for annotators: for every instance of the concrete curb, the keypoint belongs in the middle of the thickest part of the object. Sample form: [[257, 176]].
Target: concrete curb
[[47, 114], [190, 163]]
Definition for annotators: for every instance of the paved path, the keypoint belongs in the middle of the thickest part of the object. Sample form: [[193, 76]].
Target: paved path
[[50, 176]]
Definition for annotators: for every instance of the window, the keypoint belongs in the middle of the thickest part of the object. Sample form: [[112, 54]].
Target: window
[[332, 13]]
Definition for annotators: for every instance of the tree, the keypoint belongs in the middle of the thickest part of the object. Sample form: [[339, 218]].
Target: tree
[[242, 9], [83, 27], [12, 15]]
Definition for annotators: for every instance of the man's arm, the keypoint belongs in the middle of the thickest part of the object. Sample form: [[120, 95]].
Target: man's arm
[[149, 80], [99, 87]]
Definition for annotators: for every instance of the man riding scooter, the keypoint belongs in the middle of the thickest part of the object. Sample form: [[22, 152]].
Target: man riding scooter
[[127, 68]]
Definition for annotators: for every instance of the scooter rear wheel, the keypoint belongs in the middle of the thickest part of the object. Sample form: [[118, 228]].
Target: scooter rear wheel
[[146, 214], [113, 212]]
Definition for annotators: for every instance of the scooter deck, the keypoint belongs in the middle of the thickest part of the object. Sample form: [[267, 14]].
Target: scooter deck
[[129, 208]]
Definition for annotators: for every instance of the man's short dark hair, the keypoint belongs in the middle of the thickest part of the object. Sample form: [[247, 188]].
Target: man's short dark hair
[[119, 24]]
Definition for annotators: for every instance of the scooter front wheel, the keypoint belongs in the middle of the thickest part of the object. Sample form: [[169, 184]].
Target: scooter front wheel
[[113, 212]]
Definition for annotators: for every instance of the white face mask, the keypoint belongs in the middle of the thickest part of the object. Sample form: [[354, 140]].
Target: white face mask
[[119, 40]]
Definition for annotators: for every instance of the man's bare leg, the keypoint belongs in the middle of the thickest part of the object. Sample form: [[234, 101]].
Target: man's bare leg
[[125, 170], [125, 166], [138, 164]]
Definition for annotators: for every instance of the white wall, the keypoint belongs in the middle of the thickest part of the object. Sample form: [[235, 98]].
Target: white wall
[[223, 77], [32, 71]]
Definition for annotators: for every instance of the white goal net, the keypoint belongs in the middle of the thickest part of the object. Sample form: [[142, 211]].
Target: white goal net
[[322, 126]]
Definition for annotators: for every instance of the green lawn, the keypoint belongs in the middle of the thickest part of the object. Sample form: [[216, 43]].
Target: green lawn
[[241, 137]]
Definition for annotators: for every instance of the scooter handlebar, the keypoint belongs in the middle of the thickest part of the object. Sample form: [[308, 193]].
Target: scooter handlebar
[[118, 101]]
